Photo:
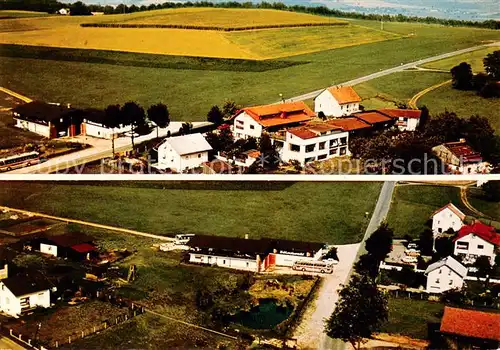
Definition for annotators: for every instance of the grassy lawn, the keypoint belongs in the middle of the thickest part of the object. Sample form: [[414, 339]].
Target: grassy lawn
[[412, 206], [190, 93], [492, 209], [474, 58], [302, 211], [398, 87], [410, 317], [463, 103], [5, 14]]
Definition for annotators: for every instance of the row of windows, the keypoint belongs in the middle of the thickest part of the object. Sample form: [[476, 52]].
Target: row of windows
[[321, 145]]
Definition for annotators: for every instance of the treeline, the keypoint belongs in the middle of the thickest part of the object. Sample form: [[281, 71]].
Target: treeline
[[51, 6]]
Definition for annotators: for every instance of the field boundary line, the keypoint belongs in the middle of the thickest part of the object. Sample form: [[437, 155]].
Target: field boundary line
[[190, 324], [413, 101], [16, 95], [465, 201], [91, 224]]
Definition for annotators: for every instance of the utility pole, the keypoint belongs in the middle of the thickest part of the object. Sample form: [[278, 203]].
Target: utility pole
[[381, 24]]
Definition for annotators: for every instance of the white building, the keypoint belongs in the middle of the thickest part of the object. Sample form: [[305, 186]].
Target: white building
[[444, 275], [312, 142], [477, 240], [183, 152], [337, 101], [64, 11], [253, 121], [406, 119], [445, 218], [21, 294], [94, 125]]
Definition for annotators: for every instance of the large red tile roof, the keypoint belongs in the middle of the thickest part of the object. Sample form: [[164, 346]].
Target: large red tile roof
[[280, 114], [349, 123], [372, 117], [404, 113], [463, 150], [481, 230], [311, 130], [471, 323], [344, 94]]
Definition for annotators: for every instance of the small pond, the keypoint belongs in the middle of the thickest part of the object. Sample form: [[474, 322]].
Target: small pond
[[266, 315]]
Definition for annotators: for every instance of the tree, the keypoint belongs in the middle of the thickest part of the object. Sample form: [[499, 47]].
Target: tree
[[462, 76], [229, 109], [159, 115], [484, 268], [367, 265], [480, 80], [132, 114], [426, 241], [215, 115], [185, 128], [79, 9], [490, 90], [112, 119], [360, 311], [424, 117], [492, 64], [269, 156], [444, 247], [379, 244]]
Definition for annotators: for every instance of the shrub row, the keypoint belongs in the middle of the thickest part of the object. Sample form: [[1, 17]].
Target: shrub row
[[195, 27]]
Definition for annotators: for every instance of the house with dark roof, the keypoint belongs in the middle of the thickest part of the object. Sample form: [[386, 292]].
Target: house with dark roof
[[470, 329], [460, 158], [253, 121], [94, 124], [475, 240], [251, 254], [74, 246], [47, 119], [445, 274], [20, 294], [337, 101]]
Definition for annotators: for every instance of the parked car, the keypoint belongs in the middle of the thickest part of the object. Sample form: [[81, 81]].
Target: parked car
[[410, 259]]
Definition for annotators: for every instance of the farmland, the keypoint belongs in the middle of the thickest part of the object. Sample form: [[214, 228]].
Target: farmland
[[474, 58], [228, 209]]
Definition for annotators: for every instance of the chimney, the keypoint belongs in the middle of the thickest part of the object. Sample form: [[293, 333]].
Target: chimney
[[246, 235]]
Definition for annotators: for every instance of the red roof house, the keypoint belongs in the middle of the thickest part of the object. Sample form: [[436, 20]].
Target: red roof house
[[280, 113], [479, 229]]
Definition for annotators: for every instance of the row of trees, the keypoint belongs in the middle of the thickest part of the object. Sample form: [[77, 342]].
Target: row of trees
[[52, 5], [485, 84]]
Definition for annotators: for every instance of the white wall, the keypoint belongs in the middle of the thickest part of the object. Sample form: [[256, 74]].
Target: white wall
[[326, 103], [169, 158], [476, 246], [445, 220], [11, 304], [223, 261], [48, 249], [327, 152], [411, 124], [443, 279], [33, 127], [245, 126], [97, 130]]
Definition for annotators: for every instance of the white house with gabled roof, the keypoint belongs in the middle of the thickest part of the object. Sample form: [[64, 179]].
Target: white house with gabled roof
[[337, 101], [183, 152], [447, 217], [23, 293], [445, 274]]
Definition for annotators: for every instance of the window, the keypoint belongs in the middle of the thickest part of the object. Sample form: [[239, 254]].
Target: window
[[440, 271], [294, 148], [333, 151], [451, 282], [199, 155], [321, 157], [334, 143], [440, 230], [322, 145], [247, 264], [224, 262], [437, 280], [310, 148], [343, 151], [252, 127], [310, 159], [463, 245], [343, 140], [480, 246]]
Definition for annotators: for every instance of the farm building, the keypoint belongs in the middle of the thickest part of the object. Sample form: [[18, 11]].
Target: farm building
[[253, 121], [23, 293], [352, 125], [376, 119], [470, 329], [460, 158], [46, 119], [94, 125], [183, 152], [445, 274], [337, 101], [445, 218], [405, 119], [75, 246], [250, 254], [477, 240], [312, 142]]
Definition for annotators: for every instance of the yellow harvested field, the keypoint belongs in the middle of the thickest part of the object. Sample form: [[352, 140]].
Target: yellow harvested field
[[65, 31], [219, 17]]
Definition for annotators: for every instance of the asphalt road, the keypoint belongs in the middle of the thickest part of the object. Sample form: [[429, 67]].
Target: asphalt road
[[378, 216], [396, 69]]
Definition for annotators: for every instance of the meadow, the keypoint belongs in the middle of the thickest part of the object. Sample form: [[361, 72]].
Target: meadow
[[5, 14], [190, 92], [299, 211], [474, 58]]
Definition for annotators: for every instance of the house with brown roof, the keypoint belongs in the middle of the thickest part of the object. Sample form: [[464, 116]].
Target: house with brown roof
[[314, 141], [337, 101], [353, 125], [253, 121], [377, 120], [405, 119], [470, 329], [461, 158]]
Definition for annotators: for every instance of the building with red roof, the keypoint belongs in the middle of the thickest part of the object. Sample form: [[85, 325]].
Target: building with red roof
[[337, 101], [253, 121], [470, 329], [376, 119], [461, 158], [76, 246], [405, 119], [475, 240]]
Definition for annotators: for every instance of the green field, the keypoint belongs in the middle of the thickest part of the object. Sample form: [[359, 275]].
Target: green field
[[412, 206], [5, 14], [489, 208], [190, 93], [397, 87], [411, 317], [463, 103], [324, 212], [474, 58]]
